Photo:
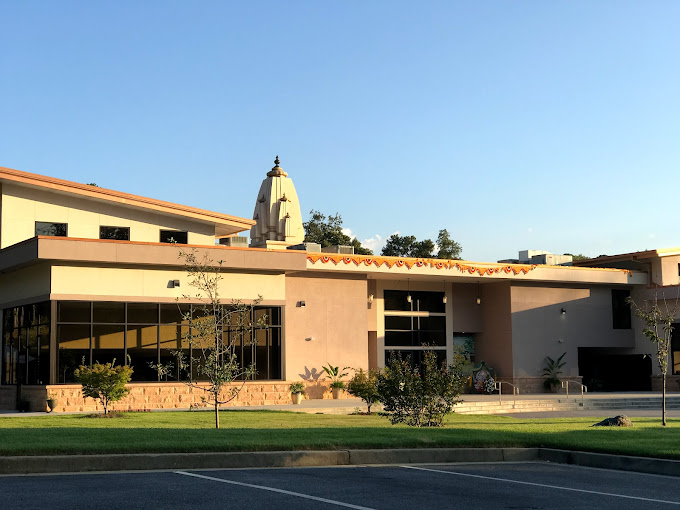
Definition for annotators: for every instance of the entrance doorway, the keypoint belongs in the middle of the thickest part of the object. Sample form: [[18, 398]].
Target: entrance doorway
[[607, 370]]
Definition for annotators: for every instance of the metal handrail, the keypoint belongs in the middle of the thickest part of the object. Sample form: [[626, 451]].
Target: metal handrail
[[584, 388], [515, 391]]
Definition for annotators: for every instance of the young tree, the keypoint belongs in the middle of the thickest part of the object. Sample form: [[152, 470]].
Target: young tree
[[104, 381], [364, 384], [658, 328], [215, 331], [327, 231]]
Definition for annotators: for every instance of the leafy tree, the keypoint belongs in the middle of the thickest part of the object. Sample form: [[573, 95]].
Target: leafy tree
[[104, 381], [659, 329], [448, 248], [409, 246], [364, 384], [420, 397], [327, 231], [214, 357], [577, 257]]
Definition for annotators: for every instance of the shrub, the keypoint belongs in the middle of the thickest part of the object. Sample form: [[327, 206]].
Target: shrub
[[297, 387], [552, 371], [420, 399], [365, 386], [104, 382], [335, 373]]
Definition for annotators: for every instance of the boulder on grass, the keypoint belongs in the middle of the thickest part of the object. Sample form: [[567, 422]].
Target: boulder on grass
[[616, 421]]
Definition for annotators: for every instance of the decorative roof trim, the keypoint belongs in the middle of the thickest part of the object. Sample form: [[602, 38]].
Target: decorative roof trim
[[409, 263]]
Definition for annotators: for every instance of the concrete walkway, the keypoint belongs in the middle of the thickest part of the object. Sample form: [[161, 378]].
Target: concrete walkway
[[350, 405]]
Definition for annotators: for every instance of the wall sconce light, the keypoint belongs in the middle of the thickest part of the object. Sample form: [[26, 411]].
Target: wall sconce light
[[370, 298], [173, 283], [309, 339], [301, 304], [563, 311], [479, 300]]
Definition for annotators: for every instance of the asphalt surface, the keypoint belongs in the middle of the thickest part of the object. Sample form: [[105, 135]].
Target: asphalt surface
[[466, 486]]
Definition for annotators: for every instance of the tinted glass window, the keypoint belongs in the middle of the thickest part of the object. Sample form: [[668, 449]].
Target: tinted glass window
[[43, 228], [429, 302], [177, 236], [108, 312], [397, 300], [117, 233], [143, 313], [620, 309], [73, 311]]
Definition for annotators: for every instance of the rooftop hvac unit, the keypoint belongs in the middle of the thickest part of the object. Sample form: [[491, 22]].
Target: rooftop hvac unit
[[310, 247], [236, 241], [341, 249]]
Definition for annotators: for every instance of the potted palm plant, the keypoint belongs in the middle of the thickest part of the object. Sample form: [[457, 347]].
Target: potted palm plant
[[336, 375], [552, 372], [297, 390]]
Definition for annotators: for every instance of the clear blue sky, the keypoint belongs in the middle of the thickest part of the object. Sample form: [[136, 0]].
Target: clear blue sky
[[515, 125]]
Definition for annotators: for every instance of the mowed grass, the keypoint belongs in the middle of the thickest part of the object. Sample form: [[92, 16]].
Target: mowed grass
[[277, 430]]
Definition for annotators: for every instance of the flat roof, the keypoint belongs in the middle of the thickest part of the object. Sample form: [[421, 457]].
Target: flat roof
[[636, 255], [224, 224]]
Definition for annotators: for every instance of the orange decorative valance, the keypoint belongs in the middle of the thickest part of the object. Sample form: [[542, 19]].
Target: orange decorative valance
[[365, 260]]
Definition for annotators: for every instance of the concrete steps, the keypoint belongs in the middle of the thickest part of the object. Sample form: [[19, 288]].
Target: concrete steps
[[533, 405]]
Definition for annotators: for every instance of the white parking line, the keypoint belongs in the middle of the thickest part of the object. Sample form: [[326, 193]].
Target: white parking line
[[272, 489], [543, 485]]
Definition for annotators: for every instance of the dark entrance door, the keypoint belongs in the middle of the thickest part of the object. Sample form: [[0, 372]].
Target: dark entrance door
[[604, 371]]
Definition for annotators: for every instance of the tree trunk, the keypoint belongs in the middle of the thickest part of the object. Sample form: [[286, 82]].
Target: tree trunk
[[663, 401], [217, 413]]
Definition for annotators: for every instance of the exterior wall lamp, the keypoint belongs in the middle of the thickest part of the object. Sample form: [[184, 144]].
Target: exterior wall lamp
[[563, 311], [301, 304], [370, 298]]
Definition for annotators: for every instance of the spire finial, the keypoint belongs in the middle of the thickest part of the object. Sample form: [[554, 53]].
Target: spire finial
[[277, 171], [276, 161]]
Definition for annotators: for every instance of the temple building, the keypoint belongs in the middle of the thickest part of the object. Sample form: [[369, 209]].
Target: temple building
[[93, 274]]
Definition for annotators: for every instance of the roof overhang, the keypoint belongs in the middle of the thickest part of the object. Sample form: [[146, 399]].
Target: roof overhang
[[224, 224]]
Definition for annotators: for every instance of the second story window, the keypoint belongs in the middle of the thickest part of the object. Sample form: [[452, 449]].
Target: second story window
[[44, 228], [117, 233], [174, 236]]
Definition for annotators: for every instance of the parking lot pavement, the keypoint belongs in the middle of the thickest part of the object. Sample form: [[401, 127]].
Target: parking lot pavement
[[468, 486]]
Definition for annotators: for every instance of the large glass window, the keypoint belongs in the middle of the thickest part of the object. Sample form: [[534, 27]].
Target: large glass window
[[415, 321], [621, 313], [26, 344], [142, 334]]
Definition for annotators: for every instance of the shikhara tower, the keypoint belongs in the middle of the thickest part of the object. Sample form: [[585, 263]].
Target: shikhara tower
[[277, 213]]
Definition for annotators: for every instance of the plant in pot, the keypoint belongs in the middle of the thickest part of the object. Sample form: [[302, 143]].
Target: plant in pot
[[336, 375], [552, 372], [297, 390], [51, 401]]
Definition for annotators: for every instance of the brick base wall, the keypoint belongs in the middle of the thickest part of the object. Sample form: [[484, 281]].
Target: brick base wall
[[150, 395], [672, 383]]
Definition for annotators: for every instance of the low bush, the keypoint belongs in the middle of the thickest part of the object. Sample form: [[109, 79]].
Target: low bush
[[419, 396]]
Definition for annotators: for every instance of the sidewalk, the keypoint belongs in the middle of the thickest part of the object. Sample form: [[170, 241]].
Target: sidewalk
[[350, 405]]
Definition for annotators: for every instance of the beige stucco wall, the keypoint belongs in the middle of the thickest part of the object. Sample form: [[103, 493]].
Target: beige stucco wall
[[539, 329], [152, 284], [21, 207], [467, 314], [494, 344], [334, 318], [24, 286]]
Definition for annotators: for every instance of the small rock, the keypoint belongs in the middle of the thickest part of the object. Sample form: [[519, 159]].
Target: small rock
[[616, 421]]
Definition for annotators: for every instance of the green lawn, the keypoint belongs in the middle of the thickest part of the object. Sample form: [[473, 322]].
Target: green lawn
[[277, 430]]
